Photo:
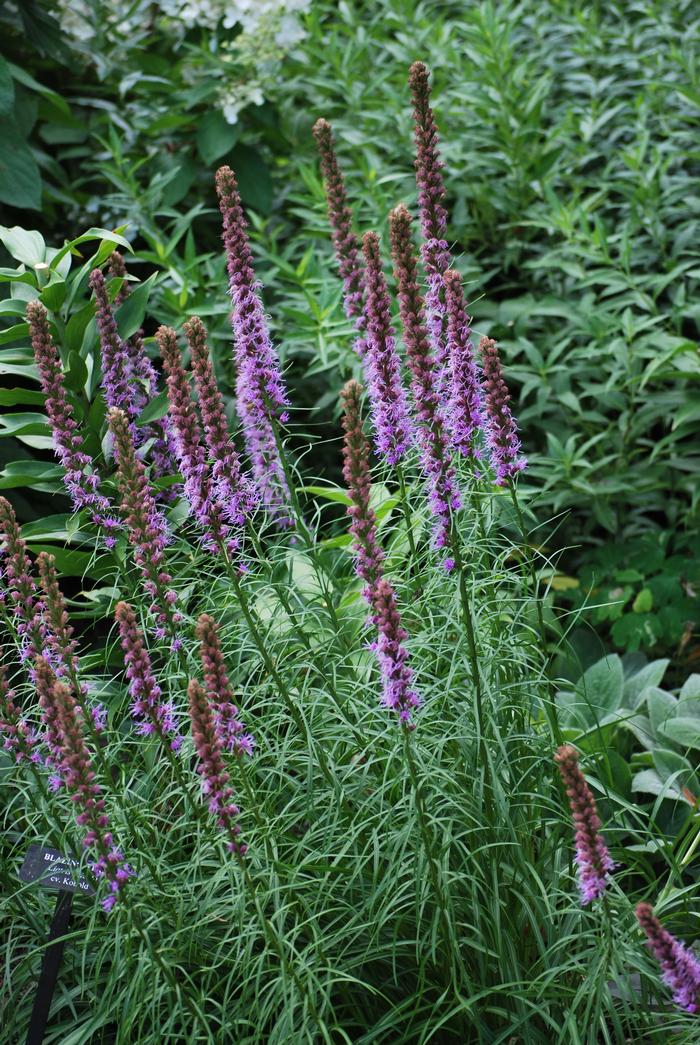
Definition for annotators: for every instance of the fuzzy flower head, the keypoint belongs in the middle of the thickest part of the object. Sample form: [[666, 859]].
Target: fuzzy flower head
[[18, 588], [59, 639], [347, 250], [20, 739], [190, 451], [234, 492], [592, 856], [397, 676], [81, 477], [230, 729], [680, 968], [501, 429], [441, 481], [356, 472], [433, 215], [120, 390], [78, 777], [465, 410], [145, 524], [261, 397], [155, 715], [215, 779], [390, 416]]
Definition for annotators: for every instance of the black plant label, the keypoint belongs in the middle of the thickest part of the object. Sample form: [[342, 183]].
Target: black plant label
[[50, 869]]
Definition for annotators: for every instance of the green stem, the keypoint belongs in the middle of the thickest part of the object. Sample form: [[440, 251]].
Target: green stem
[[550, 703]]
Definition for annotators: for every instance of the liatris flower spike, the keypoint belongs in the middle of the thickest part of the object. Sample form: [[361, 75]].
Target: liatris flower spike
[[18, 590], [261, 398], [433, 215], [443, 496], [345, 241], [156, 716], [59, 639], [190, 452], [397, 676], [117, 379], [387, 396], [211, 768], [143, 371], [235, 493], [229, 728], [680, 968], [79, 779], [20, 739], [145, 525], [501, 429], [81, 478], [356, 472], [464, 411], [592, 856]]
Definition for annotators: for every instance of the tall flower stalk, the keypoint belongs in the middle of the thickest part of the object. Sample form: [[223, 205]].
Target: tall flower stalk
[[261, 396], [19, 591], [592, 857], [145, 526], [397, 676], [347, 248], [680, 968], [501, 430], [190, 451], [387, 396], [144, 374], [20, 738], [155, 716], [215, 779], [234, 492], [464, 404], [79, 779], [433, 214], [230, 729], [120, 390], [443, 493], [81, 477]]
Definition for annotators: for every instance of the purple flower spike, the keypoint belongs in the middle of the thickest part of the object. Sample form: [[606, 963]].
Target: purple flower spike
[[18, 589], [143, 372], [156, 717], [433, 215], [592, 856], [465, 410], [680, 968], [229, 729], [389, 647], [20, 739], [215, 779], [261, 397], [387, 395], [119, 387], [501, 431], [443, 495], [347, 250], [44, 679], [235, 493], [392, 655], [188, 444], [79, 779], [60, 633], [356, 473], [145, 524], [81, 479]]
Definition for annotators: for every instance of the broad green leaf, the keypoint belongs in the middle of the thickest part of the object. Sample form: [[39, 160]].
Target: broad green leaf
[[20, 181], [601, 686], [130, 314], [682, 730], [21, 397], [670, 764], [24, 245], [215, 136], [643, 602], [91, 234], [155, 409], [23, 424], [328, 493], [7, 89], [650, 675], [649, 782], [661, 705], [254, 179]]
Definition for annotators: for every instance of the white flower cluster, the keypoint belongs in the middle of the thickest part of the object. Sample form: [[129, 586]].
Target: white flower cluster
[[247, 60]]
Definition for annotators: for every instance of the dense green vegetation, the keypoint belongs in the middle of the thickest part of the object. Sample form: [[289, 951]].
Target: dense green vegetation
[[399, 886]]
